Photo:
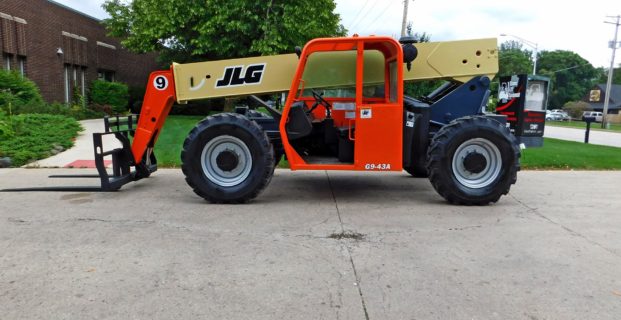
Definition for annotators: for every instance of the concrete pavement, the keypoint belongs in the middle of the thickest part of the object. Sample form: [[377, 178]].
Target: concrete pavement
[[314, 245], [605, 138]]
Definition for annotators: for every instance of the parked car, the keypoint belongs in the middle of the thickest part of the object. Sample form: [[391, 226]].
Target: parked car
[[557, 115], [597, 115], [565, 115]]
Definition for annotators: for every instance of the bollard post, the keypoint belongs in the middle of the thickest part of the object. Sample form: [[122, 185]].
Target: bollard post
[[588, 121]]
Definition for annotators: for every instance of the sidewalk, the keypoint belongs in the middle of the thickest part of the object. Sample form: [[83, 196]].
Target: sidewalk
[[605, 138], [81, 155]]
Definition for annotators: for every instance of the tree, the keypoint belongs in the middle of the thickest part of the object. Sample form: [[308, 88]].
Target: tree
[[419, 37], [571, 76], [576, 108], [513, 59], [616, 76], [425, 87], [193, 30]]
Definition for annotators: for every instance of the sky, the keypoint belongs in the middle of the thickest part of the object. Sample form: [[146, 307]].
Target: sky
[[551, 25]]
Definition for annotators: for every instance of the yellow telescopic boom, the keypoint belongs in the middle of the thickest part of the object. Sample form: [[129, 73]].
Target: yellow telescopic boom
[[451, 60]]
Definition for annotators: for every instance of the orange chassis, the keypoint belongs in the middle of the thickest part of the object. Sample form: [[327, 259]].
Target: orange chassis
[[373, 150]]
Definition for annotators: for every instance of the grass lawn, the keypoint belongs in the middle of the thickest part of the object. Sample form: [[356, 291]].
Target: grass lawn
[[561, 154], [582, 125], [555, 154], [169, 144]]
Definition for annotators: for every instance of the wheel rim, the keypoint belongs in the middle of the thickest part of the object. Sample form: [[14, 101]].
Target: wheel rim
[[226, 161], [467, 163]]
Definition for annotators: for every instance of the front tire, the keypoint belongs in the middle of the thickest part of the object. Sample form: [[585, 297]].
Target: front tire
[[227, 158], [473, 161]]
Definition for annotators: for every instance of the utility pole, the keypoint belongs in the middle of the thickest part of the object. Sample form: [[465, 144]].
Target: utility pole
[[613, 46], [405, 17]]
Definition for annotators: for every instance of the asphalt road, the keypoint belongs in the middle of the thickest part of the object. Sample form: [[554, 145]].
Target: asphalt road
[[315, 245]]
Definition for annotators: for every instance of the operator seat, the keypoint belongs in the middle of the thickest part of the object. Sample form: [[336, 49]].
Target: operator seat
[[299, 124]]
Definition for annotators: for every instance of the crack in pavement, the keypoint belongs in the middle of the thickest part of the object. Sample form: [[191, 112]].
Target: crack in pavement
[[26, 222], [569, 230], [351, 259]]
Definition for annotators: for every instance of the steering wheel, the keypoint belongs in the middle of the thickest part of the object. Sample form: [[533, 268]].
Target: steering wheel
[[319, 100]]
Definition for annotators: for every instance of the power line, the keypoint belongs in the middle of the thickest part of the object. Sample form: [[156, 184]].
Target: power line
[[372, 24], [356, 23], [366, 14], [359, 12], [574, 67]]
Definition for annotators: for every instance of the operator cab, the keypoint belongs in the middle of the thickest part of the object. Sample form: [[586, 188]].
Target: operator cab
[[344, 110]]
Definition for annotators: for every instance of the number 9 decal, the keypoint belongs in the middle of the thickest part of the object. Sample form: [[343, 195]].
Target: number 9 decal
[[160, 83]]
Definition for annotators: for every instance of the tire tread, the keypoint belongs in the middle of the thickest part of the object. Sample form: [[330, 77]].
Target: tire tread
[[440, 179], [227, 119]]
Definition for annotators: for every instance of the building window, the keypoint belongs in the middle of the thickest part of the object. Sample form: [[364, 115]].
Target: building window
[[67, 83], [105, 75], [83, 82], [7, 61], [75, 83], [21, 62]]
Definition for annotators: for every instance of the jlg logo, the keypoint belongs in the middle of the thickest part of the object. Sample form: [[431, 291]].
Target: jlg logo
[[239, 76]]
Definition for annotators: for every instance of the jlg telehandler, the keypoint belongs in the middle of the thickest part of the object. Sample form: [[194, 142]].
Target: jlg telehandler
[[345, 110]]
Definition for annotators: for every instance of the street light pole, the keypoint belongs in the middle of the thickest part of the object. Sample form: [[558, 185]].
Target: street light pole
[[531, 44], [535, 59]]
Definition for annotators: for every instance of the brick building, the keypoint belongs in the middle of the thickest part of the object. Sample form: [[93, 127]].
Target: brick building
[[63, 50]]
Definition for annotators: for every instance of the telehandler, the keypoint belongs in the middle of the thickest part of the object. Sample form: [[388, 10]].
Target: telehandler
[[345, 109]]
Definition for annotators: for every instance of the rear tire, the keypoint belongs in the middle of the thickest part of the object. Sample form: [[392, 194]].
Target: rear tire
[[227, 158], [473, 161], [277, 157]]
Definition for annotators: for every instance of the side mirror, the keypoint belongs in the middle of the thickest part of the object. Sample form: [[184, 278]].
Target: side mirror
[[298, 51], [409, 50]]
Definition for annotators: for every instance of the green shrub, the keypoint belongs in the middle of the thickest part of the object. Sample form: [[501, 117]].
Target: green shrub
[[113, 94], [6, 130], [80, 112], [136, 95], [36, 135], [576, 108], [17, 92], [76, 111], [19, 95]]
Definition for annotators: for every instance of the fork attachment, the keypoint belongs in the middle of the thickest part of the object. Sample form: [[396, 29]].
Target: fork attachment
[[122, 158], [122, 161]]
